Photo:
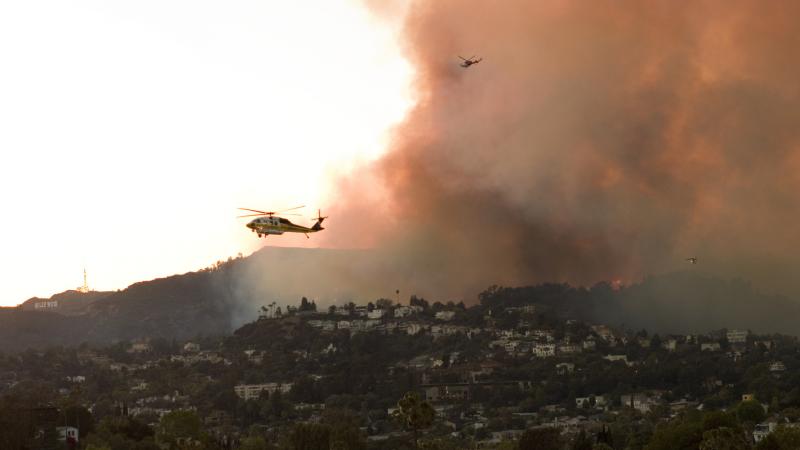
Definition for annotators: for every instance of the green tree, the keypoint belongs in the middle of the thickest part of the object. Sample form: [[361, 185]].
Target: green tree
[[724, 439], [750, 411], [677, 435], [121, 433], [310, 436], [253, 443], [440, 444], [582, 442], [414, 413], [345, 432], [179, 426], [718, 419], [79, 417], [384, 303], [541, 439], [770, 442], [787, 437]]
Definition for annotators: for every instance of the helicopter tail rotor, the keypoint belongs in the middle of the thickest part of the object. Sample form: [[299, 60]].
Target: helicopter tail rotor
[[318, 226]]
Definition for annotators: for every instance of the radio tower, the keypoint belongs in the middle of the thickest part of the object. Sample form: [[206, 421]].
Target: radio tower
[[85, 287]]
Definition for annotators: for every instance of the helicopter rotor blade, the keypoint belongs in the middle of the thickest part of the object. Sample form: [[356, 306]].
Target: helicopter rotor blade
[[257, 211], [291, 209]]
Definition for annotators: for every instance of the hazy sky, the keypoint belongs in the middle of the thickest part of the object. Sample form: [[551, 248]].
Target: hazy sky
[[131, 131]]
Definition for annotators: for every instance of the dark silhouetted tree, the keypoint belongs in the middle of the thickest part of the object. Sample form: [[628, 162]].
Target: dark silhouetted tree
[[414, 414], [541, 439]]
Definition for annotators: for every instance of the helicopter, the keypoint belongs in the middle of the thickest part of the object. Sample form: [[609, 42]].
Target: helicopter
[[470, 61], [268, 223], [692, 260]]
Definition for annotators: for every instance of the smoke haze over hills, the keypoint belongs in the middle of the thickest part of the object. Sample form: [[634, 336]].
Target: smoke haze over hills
[[216, 301], [596, 141], [604, 140]]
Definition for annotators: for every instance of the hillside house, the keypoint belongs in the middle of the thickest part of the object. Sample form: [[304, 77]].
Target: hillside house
[[777, 366], [377, 313], [640, 402], [191, 347], [253, 391], [615, 358], [140, 347], [544, 350], [737, 336], [565, 368], [446, 393], [569, 349], [445, 315], [763, 429], [604, 332]]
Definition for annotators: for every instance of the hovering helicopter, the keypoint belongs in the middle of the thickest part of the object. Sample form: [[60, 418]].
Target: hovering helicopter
[[268, 223], [470, 61], [692, 260]]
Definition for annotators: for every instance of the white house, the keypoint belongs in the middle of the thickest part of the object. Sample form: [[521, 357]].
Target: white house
[[255, 356], [376, 313], [737, 336], [445, 315], [777, 366], [527, 309], [763, 429], [546, 335], [139, 347], [569, 349], [405, 311], [544, 350], [414, 328], [639, 402], [67, 434], [614, 358], [603, 331], [253, 391], [709, 347], [191, 347]]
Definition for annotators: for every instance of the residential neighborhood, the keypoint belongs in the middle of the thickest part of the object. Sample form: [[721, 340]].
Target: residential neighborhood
[[491, 373]]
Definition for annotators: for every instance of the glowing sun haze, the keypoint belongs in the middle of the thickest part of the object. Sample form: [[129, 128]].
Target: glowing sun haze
[[131, 131]]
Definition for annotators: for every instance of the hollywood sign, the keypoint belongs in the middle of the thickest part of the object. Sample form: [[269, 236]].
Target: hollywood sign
[[45, 305]]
